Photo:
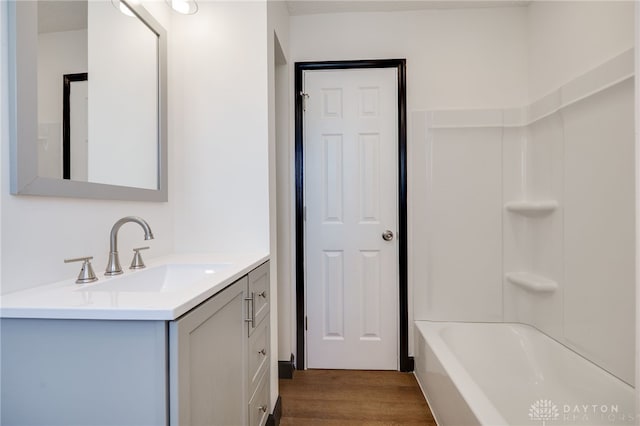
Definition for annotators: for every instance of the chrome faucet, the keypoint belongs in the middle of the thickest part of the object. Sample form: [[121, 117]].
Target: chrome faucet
[[113, 267]]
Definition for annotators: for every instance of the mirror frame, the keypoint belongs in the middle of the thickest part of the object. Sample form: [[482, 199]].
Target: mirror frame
[[23, 115]]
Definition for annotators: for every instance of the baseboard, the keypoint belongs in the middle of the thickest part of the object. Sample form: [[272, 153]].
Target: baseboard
[[274, 419], [407, 364], [286, 368]]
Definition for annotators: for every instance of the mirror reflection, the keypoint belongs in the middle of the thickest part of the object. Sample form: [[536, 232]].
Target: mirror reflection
[[97, 94]]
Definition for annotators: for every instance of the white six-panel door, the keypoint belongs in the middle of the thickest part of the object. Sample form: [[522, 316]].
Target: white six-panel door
[[350, 175]]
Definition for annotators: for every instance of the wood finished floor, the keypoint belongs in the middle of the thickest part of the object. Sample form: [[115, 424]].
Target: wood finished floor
[[346, 397]]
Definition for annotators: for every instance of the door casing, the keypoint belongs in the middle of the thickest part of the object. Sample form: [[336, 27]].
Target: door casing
[[406, 362]]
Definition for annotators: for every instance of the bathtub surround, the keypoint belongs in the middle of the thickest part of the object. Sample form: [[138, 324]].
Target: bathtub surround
[[556, 250]]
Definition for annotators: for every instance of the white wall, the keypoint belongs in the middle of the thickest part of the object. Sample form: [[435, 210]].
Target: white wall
[[39, 232], [277, 44], [566, 38], [285, 213], [463, 58], [220, 176], [222, 79]]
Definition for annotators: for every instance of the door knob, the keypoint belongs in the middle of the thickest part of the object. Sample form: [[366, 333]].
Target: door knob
[[387, 235]]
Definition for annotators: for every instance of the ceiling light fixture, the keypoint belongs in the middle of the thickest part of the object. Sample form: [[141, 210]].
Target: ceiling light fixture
[[185, 7], [122, 7]]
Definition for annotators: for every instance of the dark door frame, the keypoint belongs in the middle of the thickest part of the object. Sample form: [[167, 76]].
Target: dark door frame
[[67, 79], [406, 362]]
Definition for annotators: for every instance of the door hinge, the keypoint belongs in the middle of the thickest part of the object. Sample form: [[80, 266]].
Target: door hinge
[[305, 96], [304, 213], [306, 323]]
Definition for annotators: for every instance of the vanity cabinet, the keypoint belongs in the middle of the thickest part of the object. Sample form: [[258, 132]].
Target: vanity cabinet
[[208, 367], [259, 339]]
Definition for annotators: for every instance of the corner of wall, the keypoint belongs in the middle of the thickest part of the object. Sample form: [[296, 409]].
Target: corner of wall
[[637, 163]]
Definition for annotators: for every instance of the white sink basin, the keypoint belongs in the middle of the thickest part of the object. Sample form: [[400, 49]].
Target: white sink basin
[[158, 279]]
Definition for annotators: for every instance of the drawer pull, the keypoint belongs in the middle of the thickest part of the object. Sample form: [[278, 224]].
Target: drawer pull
[[251, 299], [263, 408], [262, 352], [263, 294]]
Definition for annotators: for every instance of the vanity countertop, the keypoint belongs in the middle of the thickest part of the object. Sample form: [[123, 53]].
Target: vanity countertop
[[107, 299]]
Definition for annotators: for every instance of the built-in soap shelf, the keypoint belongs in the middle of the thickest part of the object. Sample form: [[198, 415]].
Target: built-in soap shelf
[[531, 282], [532, 208]]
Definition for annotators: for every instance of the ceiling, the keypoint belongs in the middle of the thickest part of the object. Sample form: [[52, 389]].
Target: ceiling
[[72, 15], [311, 7], [54, 16]]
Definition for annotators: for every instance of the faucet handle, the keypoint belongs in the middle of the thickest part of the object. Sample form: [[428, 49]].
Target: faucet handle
[[86, 274], [137, 262]]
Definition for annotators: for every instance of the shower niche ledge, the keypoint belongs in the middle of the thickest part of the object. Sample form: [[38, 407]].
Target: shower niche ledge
[[532, 282], [532, 208]]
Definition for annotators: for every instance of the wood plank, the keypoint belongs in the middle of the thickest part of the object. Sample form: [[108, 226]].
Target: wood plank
[[348, 397]]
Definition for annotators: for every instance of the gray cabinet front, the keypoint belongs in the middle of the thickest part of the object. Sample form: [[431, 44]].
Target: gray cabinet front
[[83, 372], [208, 348]]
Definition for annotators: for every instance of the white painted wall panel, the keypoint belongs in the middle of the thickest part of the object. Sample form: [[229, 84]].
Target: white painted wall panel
[[599, 222], [465, 220]]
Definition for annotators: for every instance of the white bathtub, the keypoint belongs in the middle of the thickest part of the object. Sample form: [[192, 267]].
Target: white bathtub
[[512, 374]]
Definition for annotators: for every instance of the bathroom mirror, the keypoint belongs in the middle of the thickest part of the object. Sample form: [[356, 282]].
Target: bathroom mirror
[[88, 85]]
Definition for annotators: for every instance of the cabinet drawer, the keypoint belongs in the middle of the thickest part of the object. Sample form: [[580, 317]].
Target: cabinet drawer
[[259, 291], [259, 404], [258, 354]]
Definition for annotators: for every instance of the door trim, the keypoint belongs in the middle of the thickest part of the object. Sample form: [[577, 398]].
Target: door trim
[[67, 79], [406, 362]]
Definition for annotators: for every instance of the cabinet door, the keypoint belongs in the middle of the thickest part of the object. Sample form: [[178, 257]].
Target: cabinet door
[[207, 356], [259, 292]]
